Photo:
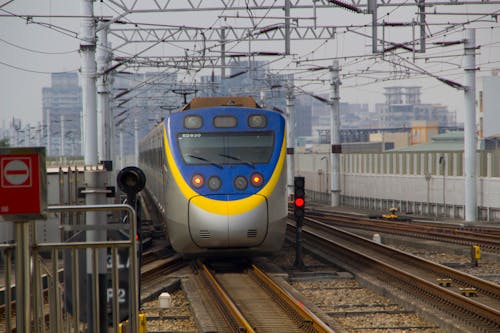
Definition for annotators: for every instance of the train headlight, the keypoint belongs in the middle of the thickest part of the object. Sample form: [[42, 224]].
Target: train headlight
[[214, 183], [193, 122], [257, 121], [240, 183], [197, 181], [257, 179]]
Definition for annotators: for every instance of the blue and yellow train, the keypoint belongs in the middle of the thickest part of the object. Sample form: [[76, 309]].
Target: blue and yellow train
[[217, 171]]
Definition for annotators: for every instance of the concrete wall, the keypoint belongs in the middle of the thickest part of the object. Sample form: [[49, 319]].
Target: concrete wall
[[416, 182]]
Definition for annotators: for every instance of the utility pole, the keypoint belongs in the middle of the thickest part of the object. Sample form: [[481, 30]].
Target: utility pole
[[287, 27], [372, 9], [105, 128], [88, 75], [290, 143], [470, 126], [61, 149], [421, 10], [336, 147], [223, 55], [136, 139], [96, 278]]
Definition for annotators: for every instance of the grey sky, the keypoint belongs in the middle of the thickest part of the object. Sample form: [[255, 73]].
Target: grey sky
[[30, 51]]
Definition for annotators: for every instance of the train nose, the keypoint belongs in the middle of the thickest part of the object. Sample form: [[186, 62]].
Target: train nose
[[234, 225]]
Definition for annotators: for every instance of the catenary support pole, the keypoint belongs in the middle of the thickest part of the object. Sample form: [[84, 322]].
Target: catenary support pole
[[470, 126], [290, 143], [96, 278], [336, 147], [287, 27], [223, 54], [136, 139], [88, 77], [104, 129]]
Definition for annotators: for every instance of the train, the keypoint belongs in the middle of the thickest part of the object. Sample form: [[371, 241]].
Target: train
[[216, 170]]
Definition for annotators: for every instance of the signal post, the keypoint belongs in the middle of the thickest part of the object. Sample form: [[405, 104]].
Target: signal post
[[298, 212]]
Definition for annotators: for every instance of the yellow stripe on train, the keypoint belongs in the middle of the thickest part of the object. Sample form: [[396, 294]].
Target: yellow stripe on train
[[233, 207]]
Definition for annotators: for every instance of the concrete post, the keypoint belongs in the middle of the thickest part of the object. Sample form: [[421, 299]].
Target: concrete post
[[96, 314], [336, 147], [88, 75], [470, 126], [104, 129]]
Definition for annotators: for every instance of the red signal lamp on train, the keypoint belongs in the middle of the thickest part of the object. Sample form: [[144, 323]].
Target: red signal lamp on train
[[197, 181], [256, 179]]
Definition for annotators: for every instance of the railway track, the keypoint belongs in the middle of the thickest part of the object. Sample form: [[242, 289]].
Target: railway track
[[471, 304], [488, 238], [250, 301]]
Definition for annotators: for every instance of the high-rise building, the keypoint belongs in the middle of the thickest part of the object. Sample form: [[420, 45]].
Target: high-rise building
[[62, 113], [403, 105]]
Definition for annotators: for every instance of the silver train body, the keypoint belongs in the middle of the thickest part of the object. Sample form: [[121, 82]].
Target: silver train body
[[217, 172]]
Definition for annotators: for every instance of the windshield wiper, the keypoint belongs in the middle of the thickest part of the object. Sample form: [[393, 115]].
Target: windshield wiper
[[238, 159], [206, 160]]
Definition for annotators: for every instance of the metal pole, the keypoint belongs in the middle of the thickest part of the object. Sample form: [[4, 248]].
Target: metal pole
[[290, 144], [421, 10], [49, 135], [336, 147], [122, 164], [470, 126], [88, 74], [223, 54], [23, 294], [287, 27], [95, 270], [104, 130], [372, 8], [136, 140], [61, 149]]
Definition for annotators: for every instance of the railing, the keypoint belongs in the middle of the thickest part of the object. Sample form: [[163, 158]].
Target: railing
[[57, 289]]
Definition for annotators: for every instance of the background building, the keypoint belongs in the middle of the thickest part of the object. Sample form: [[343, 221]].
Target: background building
[[403, 105], [62, 114]]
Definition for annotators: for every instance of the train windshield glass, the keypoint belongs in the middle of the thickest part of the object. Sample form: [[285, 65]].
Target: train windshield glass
[[226, 147]]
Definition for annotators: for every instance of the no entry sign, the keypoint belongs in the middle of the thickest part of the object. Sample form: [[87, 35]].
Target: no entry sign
[[23, 184]]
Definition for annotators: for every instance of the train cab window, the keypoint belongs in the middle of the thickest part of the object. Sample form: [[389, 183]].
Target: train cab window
[[226, 148]]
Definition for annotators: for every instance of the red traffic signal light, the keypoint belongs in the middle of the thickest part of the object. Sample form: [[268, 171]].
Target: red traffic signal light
[[299, 193], [299, 202]]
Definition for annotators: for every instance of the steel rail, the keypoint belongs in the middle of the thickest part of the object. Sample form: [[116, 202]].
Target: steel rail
[[471, 311], [299, 308], [237, 320], [486, 238]]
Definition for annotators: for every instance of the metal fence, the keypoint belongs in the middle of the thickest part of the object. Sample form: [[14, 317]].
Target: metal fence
[[53, 272]]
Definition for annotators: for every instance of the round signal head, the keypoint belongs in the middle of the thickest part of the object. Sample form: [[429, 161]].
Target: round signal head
[[197, 181], [299, 202]]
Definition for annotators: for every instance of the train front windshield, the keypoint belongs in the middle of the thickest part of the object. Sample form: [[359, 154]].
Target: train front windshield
[[226, 147]]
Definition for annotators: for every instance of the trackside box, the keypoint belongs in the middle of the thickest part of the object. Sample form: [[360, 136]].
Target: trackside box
[[23, 184]]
